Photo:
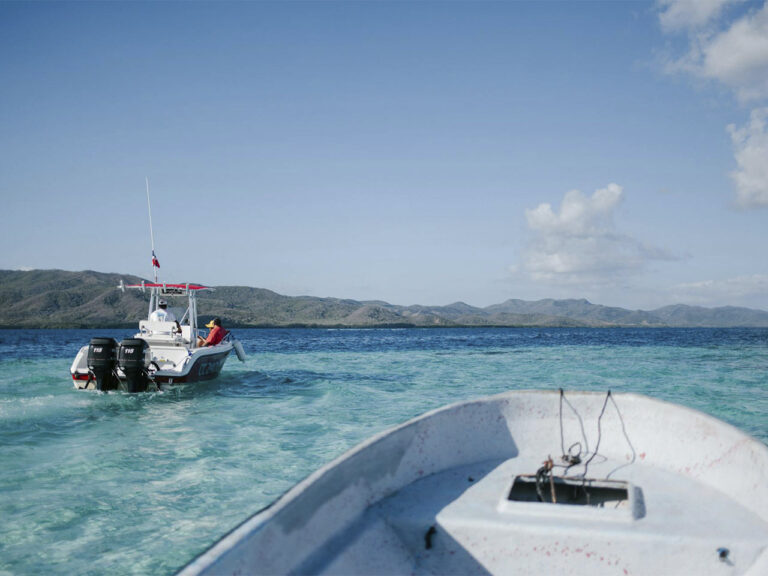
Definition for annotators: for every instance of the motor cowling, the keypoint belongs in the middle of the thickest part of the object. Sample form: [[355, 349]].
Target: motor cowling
[[133, 361], [102, 355]]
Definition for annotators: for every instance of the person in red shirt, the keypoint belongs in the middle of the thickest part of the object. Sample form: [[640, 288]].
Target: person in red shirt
[[215, 335]]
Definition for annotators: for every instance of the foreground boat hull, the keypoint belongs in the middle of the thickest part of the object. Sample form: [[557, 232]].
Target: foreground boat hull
[[433, 496]]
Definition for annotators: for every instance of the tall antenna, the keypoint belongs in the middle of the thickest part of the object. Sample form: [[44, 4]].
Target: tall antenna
[[155, 262]]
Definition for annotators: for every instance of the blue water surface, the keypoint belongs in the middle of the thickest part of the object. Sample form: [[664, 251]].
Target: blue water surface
[[94, 483]]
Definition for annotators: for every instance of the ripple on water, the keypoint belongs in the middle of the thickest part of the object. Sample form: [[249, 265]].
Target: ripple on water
[[95, 483]]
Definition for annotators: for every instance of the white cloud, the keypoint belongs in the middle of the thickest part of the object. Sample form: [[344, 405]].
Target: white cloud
[[738, 56], [689, 14], [580, 245], [750, 145], [734, 53], [741, 290]]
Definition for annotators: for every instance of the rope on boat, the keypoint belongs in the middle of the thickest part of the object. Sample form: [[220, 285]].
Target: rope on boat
[[577, 453], [599, 434], [544, 475]]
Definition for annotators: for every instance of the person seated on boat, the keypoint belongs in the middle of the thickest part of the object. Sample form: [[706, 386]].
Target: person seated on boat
[[215, 336], [162, 314]]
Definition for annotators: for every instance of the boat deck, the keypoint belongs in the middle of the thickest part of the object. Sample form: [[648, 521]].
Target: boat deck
[[678, 492], [477, 530]]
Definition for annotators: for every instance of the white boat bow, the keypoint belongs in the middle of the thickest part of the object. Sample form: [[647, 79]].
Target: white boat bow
[[646, 487]]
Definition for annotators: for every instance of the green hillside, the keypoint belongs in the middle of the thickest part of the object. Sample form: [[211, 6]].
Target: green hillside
[[62, 299]]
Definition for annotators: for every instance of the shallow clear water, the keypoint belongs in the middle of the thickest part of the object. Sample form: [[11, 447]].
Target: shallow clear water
[[94, 483]]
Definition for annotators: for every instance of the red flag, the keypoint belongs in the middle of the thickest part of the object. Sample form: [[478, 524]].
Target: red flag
[[155, 262]]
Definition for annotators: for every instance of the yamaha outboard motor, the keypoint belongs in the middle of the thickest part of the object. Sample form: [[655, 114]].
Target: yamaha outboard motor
[[102, 354], [133, 361]]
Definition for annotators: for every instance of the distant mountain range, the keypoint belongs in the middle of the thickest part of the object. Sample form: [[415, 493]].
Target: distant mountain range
[[61, 299]]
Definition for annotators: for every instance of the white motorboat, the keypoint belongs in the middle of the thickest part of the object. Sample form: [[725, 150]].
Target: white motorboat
[[159, 353], [525, 482]]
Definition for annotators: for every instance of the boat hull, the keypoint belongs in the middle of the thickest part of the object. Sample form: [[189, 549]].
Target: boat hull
[[203, 367], [173, 365], [434, 496]]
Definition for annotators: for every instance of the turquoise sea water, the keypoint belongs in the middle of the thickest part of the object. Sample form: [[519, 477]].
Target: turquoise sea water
[[94, 483]]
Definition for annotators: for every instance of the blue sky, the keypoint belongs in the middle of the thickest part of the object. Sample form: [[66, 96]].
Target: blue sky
[[408, 152]]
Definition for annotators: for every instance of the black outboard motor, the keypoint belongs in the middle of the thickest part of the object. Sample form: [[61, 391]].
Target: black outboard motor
[[102, 354], [132, 360]]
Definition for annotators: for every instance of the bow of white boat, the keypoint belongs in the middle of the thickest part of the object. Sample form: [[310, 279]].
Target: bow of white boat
[[649, 488]]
